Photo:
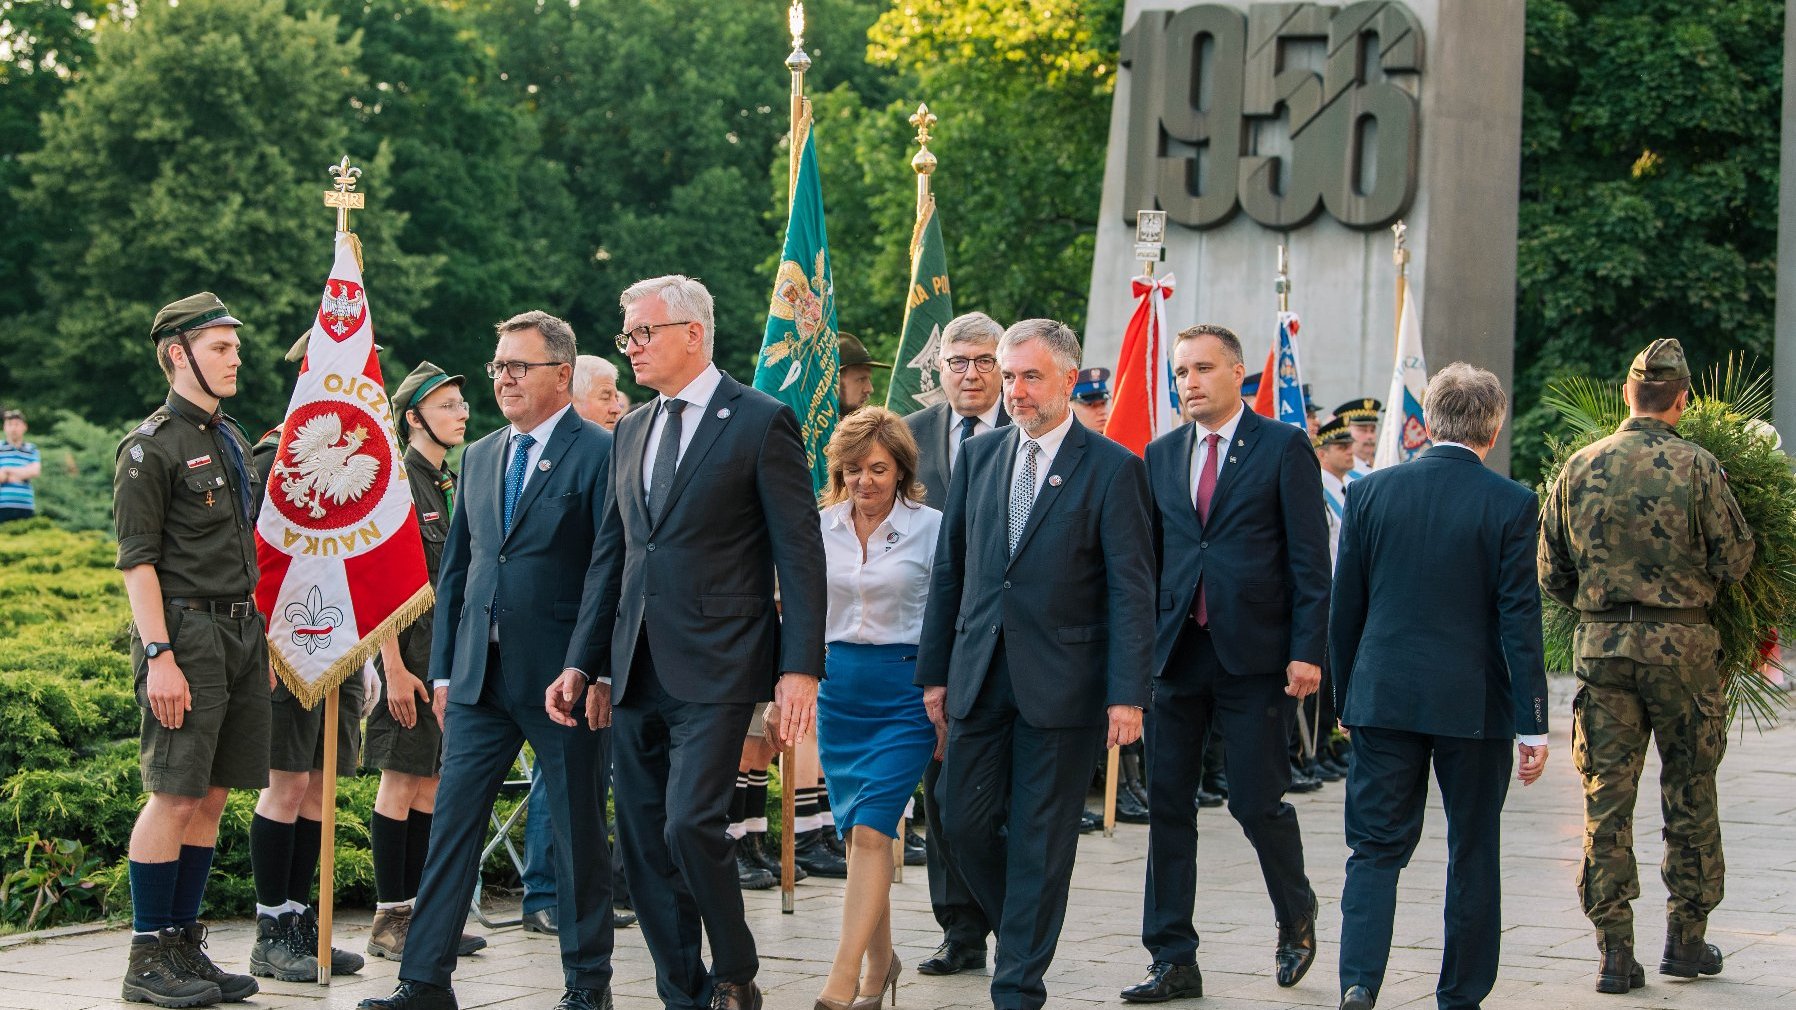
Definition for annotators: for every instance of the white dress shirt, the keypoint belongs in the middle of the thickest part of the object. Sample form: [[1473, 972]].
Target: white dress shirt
[[988, 421], [1050, 442], [1201, 448], [878, 601], [697, 397]]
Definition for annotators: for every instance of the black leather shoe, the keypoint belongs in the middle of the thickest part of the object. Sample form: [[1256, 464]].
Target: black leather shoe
[[767, 856], [1302, 783], [1129, 809], [1166, 981], [1324, 771], [621, 917], [750, 874], [1357, 997], [1296, 948], [585, 999], [816, 857], [1205, 798], [542, 921], [1618, 973], [916, 853], [1688, 960], [1215, 782], [735, 996], [413, 996], [1089, 822], [951, 959]]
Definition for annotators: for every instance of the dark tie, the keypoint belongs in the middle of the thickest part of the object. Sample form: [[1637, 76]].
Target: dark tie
[[667, 459], [1206, 490], [515, 473], [234, 456], [967, 424]]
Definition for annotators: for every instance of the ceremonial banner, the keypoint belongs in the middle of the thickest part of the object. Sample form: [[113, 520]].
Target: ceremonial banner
[[928, 307], [338, 543], [1404, 434], [799, 356], [1280, 396], [1143, 406]]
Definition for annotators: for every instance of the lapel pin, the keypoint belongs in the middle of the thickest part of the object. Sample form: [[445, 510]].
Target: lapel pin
[[1240, 442], [545, 465], [1231, 459], [1054, 480], [892, 537], [723, 413]]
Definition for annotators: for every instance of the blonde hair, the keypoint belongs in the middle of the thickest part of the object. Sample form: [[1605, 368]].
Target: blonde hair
[[855, 437]]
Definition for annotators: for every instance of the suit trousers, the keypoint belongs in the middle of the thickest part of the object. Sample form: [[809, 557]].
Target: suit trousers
[[676, 771], [480, 745], [1001, 773], [1387, 789], [949, 896], [1254, 716]]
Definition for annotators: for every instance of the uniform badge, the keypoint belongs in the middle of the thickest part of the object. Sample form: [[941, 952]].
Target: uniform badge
[[198, 461], [210, 501], [723, 413], [431, 517], [544, 466], [1054, 480], [137, 453], [132, 472]]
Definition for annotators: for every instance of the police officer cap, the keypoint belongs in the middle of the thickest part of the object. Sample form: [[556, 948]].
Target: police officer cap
[[195, 312], [853, 352], [1361, 411], [1335, 431], [1662, 361], [418, 385], [1093, 385]]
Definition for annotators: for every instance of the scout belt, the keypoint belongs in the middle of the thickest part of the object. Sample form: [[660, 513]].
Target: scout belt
[[1635, 612], [217, 608]]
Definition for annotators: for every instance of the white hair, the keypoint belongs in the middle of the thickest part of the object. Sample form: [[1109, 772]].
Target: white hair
[[683, 297], [589, 368]]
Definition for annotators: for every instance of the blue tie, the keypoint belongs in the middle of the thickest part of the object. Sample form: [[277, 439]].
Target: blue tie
[[239, 471], [514, 474]]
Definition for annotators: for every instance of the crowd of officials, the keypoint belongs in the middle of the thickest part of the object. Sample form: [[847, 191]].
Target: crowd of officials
[[987, 595]]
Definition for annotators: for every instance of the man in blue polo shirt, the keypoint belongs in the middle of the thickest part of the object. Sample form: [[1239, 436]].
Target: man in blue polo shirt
[[19, 466]]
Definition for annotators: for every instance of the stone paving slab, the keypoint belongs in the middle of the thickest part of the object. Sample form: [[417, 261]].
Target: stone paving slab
[[1548, 951]]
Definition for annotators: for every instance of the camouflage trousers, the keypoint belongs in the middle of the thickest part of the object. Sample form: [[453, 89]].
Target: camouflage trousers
[[1621, 706]]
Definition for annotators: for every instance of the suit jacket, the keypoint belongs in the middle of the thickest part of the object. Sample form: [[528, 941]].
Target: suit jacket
[[1075, 605], [700, 581], [1263, 556], [935, 427], [1435, 626], [528, 581]]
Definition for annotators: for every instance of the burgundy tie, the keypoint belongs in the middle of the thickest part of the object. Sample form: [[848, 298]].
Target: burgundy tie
[[1206, 490]]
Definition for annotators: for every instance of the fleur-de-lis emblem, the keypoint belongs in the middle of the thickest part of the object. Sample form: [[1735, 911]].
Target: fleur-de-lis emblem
[[313, 622]]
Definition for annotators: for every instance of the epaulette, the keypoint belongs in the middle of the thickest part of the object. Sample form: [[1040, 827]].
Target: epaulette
[[155, 421]]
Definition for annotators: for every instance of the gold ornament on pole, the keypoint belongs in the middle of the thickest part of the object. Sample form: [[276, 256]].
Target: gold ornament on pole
[[797, 61], [1400, 256], [344, 198], [923, 163]]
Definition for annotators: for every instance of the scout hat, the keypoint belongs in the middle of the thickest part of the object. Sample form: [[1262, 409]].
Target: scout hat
[[853, 352], [194, 312], [1334, 432], [418, 385], [1361, 411], [1093, 385], [1662, 361]]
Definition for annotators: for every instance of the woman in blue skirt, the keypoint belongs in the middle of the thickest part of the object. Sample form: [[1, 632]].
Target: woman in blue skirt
[[872, 732]]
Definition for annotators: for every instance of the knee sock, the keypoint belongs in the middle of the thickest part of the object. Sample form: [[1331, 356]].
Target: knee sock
[[153, 895], [806, 814], [271, 862], [417, 847], [386, 840], [754, 803], [307, 836], [738, 807], [190, 883], [828, 816]]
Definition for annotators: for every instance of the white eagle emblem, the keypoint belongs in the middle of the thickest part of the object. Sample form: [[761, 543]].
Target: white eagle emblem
[[325, 465], [342, 308]]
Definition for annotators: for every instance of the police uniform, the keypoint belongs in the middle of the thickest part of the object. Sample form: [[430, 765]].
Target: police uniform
[[1638, 535], [1364, 410], [1334, 489], [183, 501]]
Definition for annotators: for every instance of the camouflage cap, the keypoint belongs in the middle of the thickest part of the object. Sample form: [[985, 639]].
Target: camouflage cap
[[195, 312], [1335, 431], [1662, 361], [418, 385], [853, 352]]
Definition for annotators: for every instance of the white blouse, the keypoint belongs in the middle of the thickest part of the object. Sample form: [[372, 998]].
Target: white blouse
[[879, 602]]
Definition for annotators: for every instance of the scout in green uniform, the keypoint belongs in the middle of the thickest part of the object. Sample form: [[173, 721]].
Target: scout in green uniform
[[286, 833], [1638, 534], [183, 510], [405, 735]]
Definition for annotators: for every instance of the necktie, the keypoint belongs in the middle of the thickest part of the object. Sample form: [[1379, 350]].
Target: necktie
[[1206, 490], [234, 456], [1022, 494], [514, 474], [667, 459], [967, 424]]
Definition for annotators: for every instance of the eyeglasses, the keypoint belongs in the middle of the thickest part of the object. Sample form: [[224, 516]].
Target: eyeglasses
[[517, 369], [641, 334], [982, 364], [451, 406]]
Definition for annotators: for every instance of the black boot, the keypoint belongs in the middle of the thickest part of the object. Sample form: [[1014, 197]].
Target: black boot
[[749, 873], [810, 852], [767, 857], [1618, 973], [1688, 959], [231, 988]]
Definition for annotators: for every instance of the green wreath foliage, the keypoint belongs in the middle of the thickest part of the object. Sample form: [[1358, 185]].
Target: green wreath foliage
[[1729, 415]]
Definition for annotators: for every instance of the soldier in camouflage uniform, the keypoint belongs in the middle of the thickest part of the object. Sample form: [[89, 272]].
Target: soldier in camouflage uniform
[[1638, 535]]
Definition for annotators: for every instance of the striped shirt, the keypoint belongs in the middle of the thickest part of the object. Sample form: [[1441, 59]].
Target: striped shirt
[[17, 495]]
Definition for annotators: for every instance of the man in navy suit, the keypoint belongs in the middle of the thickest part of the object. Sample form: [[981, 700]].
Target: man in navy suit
[[508, 595], [1434, 640], [1243, 604], [1035, 645]]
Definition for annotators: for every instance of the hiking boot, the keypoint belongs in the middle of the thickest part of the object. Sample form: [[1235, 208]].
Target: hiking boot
[[231, 988], [387, 939], [1618, 973], [343, 962], [157, 974], [281, 951]]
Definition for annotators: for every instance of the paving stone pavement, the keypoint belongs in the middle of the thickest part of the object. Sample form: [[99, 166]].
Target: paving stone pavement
[[1548, 950]]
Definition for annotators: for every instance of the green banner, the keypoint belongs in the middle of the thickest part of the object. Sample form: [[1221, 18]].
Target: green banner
[[927, 309], [799, 356]]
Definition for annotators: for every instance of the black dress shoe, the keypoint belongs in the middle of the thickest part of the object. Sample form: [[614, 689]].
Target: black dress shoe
[[1089, 822], [916, 853], [1166, 981], [542, 921], [1619, 973], [1302, 783], [585, 999], [816, 857], [1324, 771], [1205, 798], [1129, 809], [1357, 997], [951, 959], [1296, 948], [735, 996], [621, 917], [1688, 960], [412, 996]]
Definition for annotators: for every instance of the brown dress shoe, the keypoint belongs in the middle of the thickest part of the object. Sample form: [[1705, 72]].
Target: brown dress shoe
[[735, 996]]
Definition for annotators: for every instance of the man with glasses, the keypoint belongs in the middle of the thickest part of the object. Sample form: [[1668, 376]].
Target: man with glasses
[[968, 369]]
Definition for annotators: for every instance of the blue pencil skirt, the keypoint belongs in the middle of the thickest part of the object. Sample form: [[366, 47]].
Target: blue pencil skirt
[[872, 733]]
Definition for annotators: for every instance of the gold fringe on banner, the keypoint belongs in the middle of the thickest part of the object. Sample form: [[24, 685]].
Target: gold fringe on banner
[[351, 662]]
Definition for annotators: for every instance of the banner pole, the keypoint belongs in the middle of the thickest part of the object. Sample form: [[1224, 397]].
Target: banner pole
[[1111, 766], [327, 837]]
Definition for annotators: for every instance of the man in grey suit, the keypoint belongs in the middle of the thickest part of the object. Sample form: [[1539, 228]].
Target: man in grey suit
[[968, 369], [710, 499], [533, 497], [1036, 644]]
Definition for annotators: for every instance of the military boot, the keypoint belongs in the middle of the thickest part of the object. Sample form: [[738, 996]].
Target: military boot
[[156, 974], [280, 950], [343, 962], [1688, 958], [231, 988], [1618, 973], [387, 939]]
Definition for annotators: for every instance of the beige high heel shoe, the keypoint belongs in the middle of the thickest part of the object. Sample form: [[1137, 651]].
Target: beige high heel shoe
[[894, 968]]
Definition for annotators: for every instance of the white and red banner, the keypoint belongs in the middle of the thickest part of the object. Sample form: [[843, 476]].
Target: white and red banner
[[337, 540], [1143, 407], [1404, 433]]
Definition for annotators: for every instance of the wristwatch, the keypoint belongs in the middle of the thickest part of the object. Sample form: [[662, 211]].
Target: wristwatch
[[153, 649]]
